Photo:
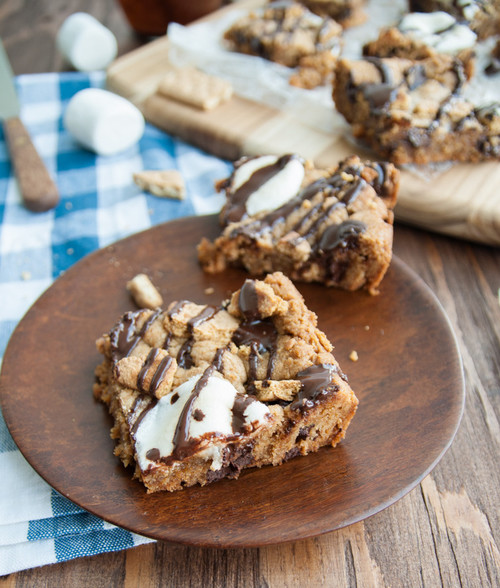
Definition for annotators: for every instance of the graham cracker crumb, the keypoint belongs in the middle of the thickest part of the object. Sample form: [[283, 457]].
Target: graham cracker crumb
[[166, 183], [144, 293]]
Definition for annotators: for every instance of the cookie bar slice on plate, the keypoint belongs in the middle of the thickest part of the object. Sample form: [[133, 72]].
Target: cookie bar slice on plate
[[413, 112], [327, 226], [199, 393]]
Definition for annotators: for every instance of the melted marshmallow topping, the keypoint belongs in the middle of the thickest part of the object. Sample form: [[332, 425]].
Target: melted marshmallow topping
[[439, 30], [183, 422], [278, 189]]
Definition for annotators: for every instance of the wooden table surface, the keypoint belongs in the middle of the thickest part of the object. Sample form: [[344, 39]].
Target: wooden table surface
[[446, 532]]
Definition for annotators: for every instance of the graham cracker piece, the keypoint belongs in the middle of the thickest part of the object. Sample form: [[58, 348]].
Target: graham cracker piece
[[144, 292], [195, 87], [168, 183]]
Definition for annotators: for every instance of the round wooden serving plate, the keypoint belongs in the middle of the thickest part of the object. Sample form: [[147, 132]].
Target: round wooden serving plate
[[408, 379]]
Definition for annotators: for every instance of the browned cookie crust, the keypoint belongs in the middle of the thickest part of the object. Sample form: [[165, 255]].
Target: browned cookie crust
[[336, 229], [412, 111], [483, 16], [290, 34], [199, 393]]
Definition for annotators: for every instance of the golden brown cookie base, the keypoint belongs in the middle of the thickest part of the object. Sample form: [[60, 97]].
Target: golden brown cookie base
[[412, 112]]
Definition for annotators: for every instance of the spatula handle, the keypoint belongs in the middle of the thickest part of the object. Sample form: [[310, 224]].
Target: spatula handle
[[37, 188]]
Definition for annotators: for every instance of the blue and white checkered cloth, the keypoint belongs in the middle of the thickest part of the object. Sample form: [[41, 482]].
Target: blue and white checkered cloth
[[99, 204]]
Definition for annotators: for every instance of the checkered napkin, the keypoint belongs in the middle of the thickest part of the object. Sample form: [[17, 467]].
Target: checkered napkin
[[99, 204]]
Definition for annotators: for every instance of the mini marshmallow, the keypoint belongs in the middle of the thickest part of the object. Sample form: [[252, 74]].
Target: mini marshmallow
[[103, 122], [86, 43]]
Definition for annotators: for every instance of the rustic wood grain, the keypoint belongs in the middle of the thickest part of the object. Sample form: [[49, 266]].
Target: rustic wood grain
[[446, 532]]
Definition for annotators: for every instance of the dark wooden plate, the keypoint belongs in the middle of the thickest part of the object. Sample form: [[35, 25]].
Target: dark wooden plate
[[408, 379]]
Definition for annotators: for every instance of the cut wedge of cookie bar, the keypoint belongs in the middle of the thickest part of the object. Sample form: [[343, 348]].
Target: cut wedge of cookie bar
[[199, 393], [328, 226], [413, 112]]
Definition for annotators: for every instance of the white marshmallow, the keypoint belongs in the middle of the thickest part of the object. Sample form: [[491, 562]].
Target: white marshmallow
[[215, 401], [426, 22], [458, 38], [276, 191], [103, 122], [439, 30], [86, 43]]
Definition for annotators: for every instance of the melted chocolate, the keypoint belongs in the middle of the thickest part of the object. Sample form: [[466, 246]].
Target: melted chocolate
[[177, 307], [159, 374], [353, 191], [141, 376], [379, 95], [415, 76], [124, 337], [248, 301], [240, 405], [183, 446], [315, 381], [140, 400], [384, 70], [261, 336], [153, 454], [184, 358], [198, 415], [343, 235], [218, 360], [493, 67]]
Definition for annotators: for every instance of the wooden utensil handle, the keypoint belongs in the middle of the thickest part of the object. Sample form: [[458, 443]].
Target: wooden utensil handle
[[37, 188]]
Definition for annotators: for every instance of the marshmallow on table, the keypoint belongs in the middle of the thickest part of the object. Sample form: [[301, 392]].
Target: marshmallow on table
[[86, 43], [103, 122]]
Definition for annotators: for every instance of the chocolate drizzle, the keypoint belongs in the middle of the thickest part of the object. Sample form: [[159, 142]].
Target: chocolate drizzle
[[336, 186], [125, 337], [184, 358], [343, 235], [183, 445], [159, 373], [146, 366], [381, 95], [141, 408], [248, 301], [260, 334], [241, 403], [316, 381], [235, 209]]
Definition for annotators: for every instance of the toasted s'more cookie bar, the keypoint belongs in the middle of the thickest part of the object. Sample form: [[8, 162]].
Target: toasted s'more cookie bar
[[199, 393], [329, 226]]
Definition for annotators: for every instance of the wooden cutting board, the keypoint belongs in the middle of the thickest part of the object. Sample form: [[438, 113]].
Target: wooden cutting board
[[463, 201]]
